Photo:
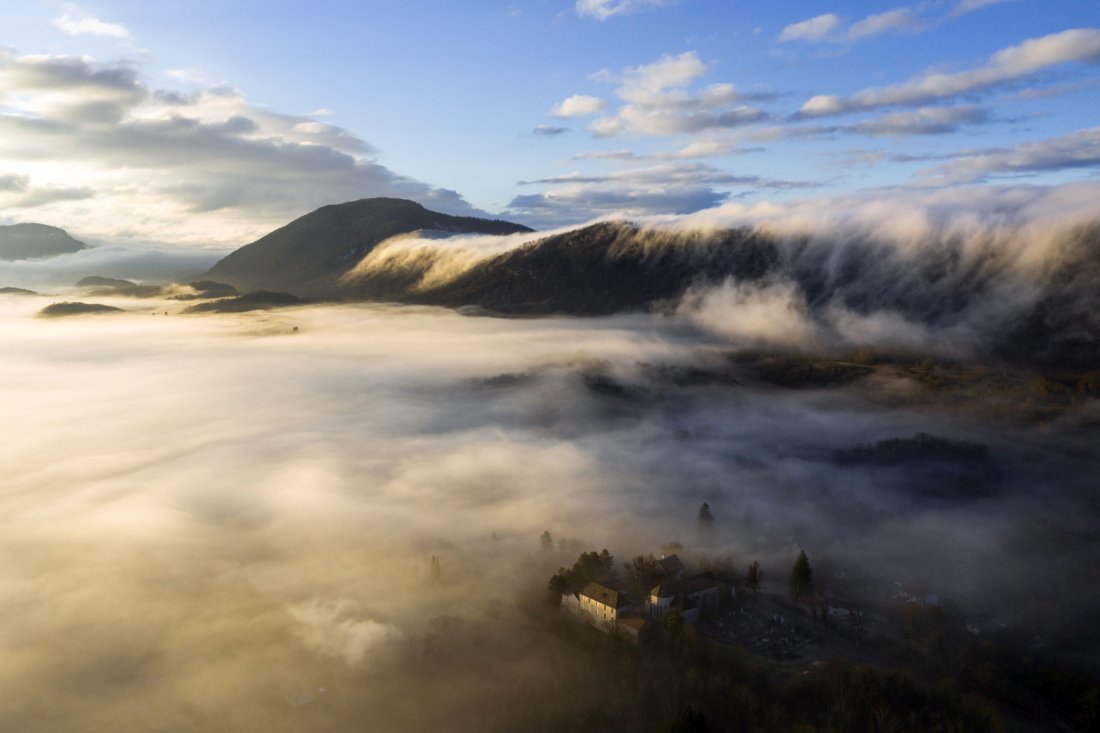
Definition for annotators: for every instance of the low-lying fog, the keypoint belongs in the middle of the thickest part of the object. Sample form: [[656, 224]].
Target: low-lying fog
[[218, 523]]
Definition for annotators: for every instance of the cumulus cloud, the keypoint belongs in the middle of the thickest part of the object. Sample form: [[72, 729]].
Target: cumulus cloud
[[604, 9], [579, 105], [1007, 65], [658, 101], [813, 29], [206, 166], [77, 21]]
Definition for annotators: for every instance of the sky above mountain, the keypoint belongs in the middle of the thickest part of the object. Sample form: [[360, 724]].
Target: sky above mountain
[[208, 123]]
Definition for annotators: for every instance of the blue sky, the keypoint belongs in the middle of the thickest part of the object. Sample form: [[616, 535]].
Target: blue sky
[[208, 122]]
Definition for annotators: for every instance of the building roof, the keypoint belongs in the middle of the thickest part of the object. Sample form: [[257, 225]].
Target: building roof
[[670, 565], [686, 586], [603, 594]]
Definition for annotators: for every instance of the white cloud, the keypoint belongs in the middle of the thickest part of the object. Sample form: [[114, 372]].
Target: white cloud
[[814, 29], [576, 203], [204, 166], [658, 101], [922, 121], [76, 21], [671, 174], [643, 83], [668, 187], [1007, 65], [579, 105], [701, 146], [604, 9], [892, 21], [1080, 149], [969, 6]]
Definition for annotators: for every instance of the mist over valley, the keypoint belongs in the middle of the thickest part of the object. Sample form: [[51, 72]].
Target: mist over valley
[[634, 365], [264, 519]]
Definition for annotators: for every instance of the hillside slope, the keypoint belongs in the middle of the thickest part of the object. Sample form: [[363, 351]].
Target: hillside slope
[[35, 241]]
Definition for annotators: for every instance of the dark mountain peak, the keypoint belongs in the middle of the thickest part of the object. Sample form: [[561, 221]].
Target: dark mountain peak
[[309, 255], [33, 241], [99, 281]]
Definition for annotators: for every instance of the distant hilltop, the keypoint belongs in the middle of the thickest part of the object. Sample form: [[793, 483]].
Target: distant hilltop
[[309, 256], [36, 241]]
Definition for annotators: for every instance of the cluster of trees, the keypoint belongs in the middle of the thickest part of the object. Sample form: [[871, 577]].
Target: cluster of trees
[[590, 567], [920, 447]]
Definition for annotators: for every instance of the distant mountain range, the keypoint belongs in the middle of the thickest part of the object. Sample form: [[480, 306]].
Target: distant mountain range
[[1047, 315], [593, 270], [34, 241]]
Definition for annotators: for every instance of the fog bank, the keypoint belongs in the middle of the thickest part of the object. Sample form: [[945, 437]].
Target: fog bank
[[218, 523]]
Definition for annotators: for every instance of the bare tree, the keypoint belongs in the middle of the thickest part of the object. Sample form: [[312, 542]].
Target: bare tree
[[642, 572]]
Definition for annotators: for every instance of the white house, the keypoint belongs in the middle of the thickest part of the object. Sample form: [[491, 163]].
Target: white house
[[604, 605], [689, 596], [609, 610]]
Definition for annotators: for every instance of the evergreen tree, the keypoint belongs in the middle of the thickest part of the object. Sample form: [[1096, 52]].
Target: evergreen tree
[[608, 561], [754, 577], [706, 519], [802, 577], [547, 541]]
